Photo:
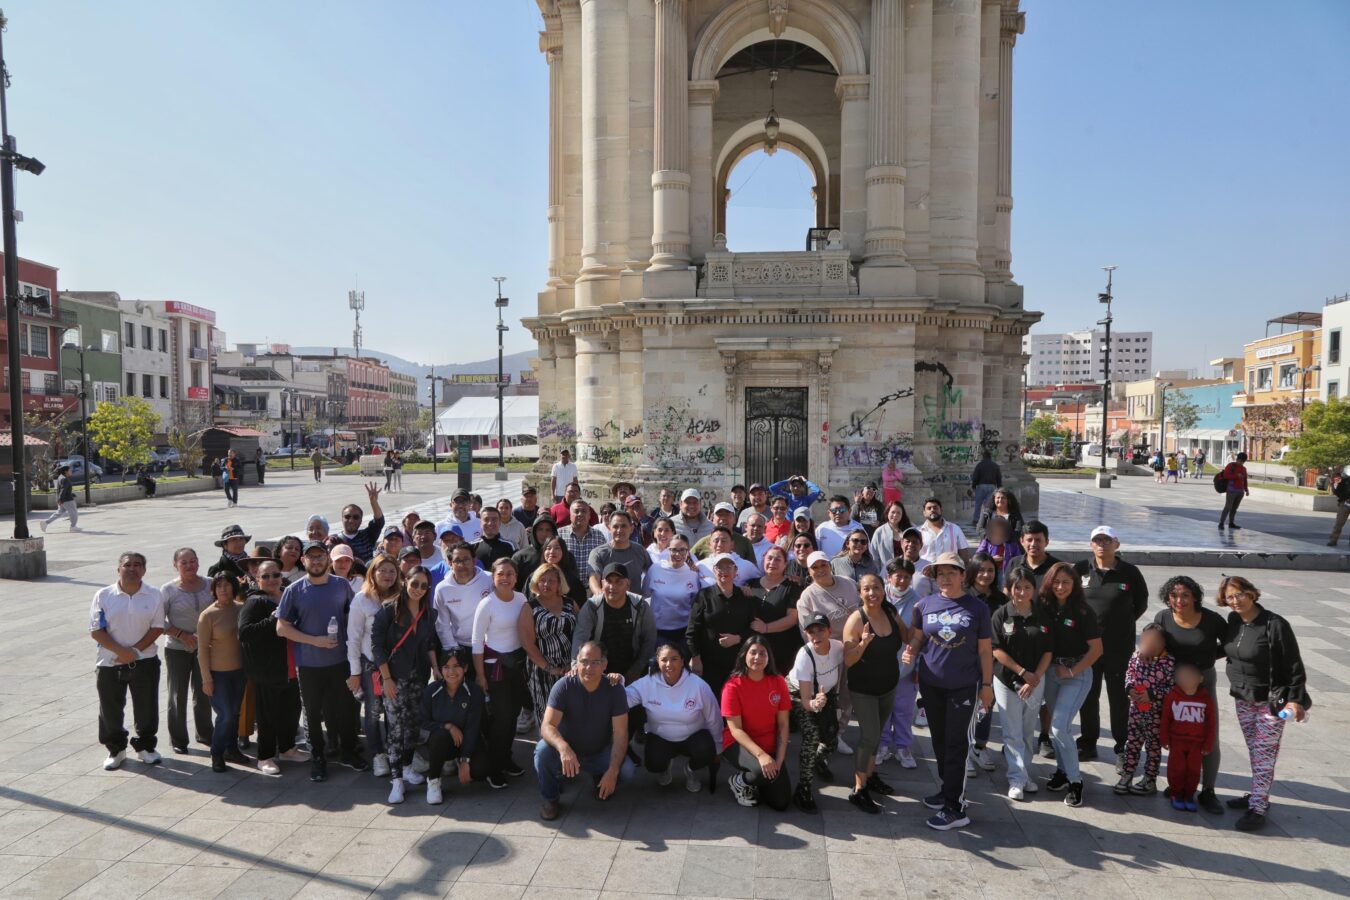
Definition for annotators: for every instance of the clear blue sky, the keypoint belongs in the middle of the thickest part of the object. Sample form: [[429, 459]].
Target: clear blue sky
[[259, 158]]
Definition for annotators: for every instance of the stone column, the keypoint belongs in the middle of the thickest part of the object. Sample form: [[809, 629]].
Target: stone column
[[670, 180], [990, 14], [884, 243], [604, 150], [551, 44], [955, 146], [1013, 24], [853, 147], [702, 96], [597, 386], [641, 106], [570, 136], [918, 132]]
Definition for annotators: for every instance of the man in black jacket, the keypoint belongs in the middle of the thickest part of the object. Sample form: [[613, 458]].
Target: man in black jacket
[[277, 694], [1117, 593], [1340, 486]]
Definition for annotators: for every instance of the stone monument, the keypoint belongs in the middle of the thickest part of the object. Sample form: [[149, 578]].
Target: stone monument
[[893, 336]]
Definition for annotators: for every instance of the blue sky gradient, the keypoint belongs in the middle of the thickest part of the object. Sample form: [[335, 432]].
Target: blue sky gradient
[[261, 158]]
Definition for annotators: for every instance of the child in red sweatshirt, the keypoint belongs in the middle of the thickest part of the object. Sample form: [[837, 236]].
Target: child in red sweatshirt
[[1190, 724]]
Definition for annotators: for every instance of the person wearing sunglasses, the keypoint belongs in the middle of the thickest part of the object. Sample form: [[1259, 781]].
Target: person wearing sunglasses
[[267, 665], [856, 559], [405, 647], [832, 533], [363, 540]]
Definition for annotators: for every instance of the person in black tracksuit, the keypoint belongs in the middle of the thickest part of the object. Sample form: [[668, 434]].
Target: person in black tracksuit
[[1117, 593], [266, 663]]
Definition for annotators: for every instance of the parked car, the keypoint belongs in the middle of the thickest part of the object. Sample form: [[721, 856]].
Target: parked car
[[76, 463], [286, 452]]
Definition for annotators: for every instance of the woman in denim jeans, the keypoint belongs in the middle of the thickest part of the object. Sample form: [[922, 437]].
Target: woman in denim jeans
[[1076, 644], [383, 584], [1023, 654]]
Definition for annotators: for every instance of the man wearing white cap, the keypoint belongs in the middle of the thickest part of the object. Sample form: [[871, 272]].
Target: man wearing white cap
[[1117, 593], [691, 522], [828, 593], [724, 516], [720, 542]]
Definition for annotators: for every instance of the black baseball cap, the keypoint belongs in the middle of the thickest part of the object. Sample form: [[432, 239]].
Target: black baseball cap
[[615, 568], [460, 494], [817, 619], [407, 552], [313, 545]]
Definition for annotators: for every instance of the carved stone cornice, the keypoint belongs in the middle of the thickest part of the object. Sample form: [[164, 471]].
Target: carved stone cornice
[[852, 87]]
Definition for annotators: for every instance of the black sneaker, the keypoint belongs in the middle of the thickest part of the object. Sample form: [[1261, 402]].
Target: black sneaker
[[318, 770], [1209, 802], [218, 763], [354, 761], [1243, 802], [1235, 527], [1074, 796], [1058, 781], [511, 770], [1086, 752], [863, 800], [823, 770], [874, 783], [1047, 747], [805, 802], [937, 801], [239, 759], [496, 782], [1251, 821]]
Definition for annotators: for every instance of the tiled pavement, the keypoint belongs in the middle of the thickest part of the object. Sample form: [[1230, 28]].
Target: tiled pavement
[[178, 830]]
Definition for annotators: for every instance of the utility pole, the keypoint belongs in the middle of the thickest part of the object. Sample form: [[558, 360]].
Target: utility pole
[[501, 382], [356, 301]]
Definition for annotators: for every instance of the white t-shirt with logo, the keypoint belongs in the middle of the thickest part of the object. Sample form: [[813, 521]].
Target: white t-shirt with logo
[[828, 669]]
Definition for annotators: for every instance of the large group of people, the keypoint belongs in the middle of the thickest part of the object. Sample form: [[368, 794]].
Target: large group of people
[[645, 639]]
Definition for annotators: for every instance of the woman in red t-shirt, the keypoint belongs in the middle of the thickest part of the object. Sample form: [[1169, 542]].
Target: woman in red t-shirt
[[756, 705]]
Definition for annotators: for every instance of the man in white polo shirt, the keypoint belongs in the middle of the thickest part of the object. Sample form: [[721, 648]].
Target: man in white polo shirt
[[125, 620], [563, 473], [940, 536]]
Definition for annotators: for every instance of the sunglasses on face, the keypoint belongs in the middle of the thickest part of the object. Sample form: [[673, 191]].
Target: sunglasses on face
[[420, 585], [268, 576], [858, 542], [837, 510]]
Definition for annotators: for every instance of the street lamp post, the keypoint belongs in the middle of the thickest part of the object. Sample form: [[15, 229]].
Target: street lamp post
[[434, 380], [1105, 297], [9, 159], [289, 394], [84, 412], [501, 304], [1303, 392]]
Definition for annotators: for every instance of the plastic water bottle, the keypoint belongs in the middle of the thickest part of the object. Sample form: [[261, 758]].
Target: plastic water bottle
[[1287, 715], [333, 627]]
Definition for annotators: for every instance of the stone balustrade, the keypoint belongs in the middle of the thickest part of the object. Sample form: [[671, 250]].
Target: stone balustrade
[[806, 273]]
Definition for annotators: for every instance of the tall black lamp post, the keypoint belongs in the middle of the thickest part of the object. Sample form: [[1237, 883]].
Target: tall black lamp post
[[433, 381], [289, 394], [1162, 416], [1105, 297], [502, 328], [84, 410], [9, 160]]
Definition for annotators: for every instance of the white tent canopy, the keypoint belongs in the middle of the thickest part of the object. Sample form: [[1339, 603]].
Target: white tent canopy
[[477, 416]]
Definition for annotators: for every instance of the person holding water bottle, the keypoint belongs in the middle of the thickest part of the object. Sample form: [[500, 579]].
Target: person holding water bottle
[[1268, 683], [313, 615]]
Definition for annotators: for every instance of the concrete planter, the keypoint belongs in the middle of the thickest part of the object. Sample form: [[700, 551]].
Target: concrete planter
[[23, 560], [128, 491], [1314, 502]]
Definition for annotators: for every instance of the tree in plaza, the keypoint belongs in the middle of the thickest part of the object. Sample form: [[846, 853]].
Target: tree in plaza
[[49, 426], [187, 440], [1183, 413], [1324, 444], [1041, 431], [124, 432], [1272, 422]]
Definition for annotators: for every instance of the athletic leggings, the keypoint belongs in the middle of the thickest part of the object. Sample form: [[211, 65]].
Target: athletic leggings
[[1142, 737], [775, 794], [402, 715], [951, 723], [817, 735], [1262, 732]]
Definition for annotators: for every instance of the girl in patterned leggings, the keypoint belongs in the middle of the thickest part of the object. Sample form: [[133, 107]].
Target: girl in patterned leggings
[[1148, 678]]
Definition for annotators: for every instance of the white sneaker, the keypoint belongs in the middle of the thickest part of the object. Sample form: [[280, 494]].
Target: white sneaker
[[843, 748], [150, 757], [692, 783], [114, 761], [269, 767], [379, 766], [524, 722], [883, 754], [984, 759], [971, 771], [1015, 792], [412, 777], [745, 795], [665, 777], [906, 757], [920, 718], [44, 526], [419, 765], [396, 790], [295, 754], [434, 795], [1030, 787]]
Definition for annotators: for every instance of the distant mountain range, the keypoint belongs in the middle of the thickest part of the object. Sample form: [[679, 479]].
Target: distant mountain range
[[512, 363]]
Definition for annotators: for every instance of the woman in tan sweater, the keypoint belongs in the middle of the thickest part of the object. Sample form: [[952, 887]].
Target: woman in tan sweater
[[222, 665]]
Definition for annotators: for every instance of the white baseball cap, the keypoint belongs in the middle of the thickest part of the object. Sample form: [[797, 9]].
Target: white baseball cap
[[724, 507], [690, 494], [720, 558], [1103, 530], [815, 557]]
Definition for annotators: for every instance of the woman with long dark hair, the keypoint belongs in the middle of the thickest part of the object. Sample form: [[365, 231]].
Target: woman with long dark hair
[[683, 719], [383, 584], [1022, 650], [404, 643], [885, 544], [222, 666], [1076, 643], [982, 583], [756, 706], [873, 637], [499, 660], [1003, 503]]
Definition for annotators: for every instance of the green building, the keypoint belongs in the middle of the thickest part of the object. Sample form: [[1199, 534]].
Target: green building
[[94, 323]]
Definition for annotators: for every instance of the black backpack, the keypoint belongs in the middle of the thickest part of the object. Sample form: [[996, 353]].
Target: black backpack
[[1220, 482]]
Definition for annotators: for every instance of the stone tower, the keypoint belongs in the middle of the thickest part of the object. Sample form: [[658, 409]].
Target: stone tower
[[895, 335]]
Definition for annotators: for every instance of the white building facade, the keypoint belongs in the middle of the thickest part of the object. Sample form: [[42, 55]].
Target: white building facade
[[1335, 375], [1077, 357], [895, 337], [147, 364]]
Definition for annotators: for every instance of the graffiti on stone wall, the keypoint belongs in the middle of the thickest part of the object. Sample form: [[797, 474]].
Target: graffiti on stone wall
[[866, 424], [681, 440], [876, 454], [557, 431]]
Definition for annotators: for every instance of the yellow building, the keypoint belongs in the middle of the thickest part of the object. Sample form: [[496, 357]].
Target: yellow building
[[1282, 373]]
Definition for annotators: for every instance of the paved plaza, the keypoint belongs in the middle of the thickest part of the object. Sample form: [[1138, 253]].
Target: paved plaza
[[178, 830]]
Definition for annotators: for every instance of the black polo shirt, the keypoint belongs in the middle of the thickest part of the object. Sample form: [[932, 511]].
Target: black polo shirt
[[1118, 596]]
